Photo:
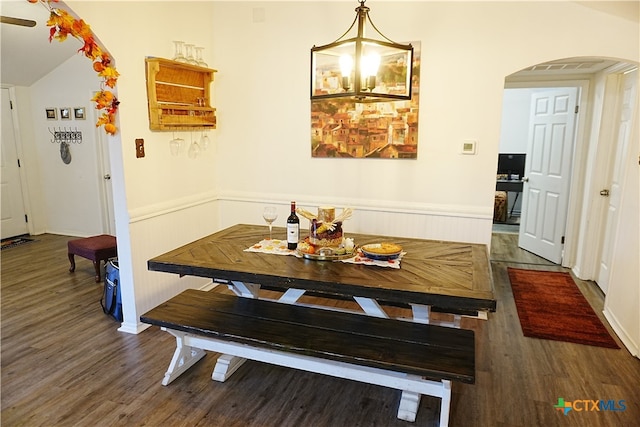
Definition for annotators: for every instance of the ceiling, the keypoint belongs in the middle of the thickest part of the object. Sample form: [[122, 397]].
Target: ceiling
[[26, 54]]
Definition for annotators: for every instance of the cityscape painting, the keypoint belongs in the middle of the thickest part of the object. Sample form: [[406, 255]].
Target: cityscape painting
[[351, 129]]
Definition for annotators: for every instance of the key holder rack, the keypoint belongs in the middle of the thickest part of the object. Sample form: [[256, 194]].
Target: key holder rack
[[68, 136]]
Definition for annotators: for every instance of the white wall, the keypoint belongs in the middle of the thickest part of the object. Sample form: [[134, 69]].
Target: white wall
[[261, 149], [69, 193], [514, 130]]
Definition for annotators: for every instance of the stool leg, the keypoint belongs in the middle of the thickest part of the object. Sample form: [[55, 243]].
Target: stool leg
[[72, 260], [96, 265]]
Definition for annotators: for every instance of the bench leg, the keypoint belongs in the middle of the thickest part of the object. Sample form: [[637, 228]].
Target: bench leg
[[72, 260], [183, 358], [445, 404], [408, 408], [225, 366], [410, 401], [96, 266]]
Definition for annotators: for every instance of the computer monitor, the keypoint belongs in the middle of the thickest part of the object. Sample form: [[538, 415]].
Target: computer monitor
[[511, 164]]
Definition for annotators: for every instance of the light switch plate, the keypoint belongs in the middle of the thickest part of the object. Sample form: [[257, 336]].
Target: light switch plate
[[468, 146], [139, 148]]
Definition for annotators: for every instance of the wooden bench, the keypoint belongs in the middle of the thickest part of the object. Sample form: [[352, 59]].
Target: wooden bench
[[414, 358], [95, 248]]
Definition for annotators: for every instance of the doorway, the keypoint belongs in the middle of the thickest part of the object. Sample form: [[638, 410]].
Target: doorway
[[538, 135], [584, 229], [14, 214]]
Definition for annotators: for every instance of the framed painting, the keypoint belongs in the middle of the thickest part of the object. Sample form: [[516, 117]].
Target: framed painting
[[347, 129]]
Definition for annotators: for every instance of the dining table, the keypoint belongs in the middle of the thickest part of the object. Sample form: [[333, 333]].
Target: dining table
[[429, 275]]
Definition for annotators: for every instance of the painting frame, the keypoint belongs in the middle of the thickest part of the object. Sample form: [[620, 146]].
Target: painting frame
[[65, 113], [51, 113], [79, 113]]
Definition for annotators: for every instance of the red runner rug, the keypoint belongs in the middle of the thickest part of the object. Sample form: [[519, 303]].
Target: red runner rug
[[550, 306]]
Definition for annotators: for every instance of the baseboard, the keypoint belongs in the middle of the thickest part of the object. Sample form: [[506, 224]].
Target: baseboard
[[133, 328], [626, 339]]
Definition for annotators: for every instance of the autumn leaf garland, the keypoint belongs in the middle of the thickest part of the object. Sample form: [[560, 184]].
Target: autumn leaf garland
[[63, 25]]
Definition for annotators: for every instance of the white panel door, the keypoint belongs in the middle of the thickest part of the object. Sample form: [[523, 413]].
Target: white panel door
[[12, 204], [547, 172], [628, 97]]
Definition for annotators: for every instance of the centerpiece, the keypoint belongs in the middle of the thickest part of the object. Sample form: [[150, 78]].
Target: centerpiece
[[326, 239]]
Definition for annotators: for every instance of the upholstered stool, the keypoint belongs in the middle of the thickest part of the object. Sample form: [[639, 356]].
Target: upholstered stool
[[96, 248], [500, 206]]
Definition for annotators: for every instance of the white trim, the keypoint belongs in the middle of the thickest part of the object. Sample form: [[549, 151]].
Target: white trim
[[627, 340], [133, 328], [171, 206]]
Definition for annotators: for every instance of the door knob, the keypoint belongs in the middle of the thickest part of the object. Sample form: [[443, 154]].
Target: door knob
[[604, 193], [525, 179], [107, 176]]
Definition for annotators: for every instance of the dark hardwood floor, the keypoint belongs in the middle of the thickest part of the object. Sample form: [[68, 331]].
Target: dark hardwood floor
[[65, 364]]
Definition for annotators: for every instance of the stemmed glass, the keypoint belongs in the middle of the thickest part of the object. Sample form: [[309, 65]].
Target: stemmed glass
[[270, 214], [179, 57], [189, 54], [204, 141], [199, 59]]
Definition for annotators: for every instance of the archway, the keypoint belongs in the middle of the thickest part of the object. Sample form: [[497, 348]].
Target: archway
[[587, 75]]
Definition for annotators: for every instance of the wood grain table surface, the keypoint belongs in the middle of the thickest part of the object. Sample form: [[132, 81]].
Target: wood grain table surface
[[447, 275]]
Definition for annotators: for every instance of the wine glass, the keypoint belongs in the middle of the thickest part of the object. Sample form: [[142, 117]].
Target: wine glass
[[204, 141], [189, 54], [179, 57], [199, 59], [270, 214]]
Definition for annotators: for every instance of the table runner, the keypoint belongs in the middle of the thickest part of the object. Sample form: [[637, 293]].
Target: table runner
[[279, 247]]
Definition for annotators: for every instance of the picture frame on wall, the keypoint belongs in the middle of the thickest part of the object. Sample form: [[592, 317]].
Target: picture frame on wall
[[78, 113], [65, 113], [51, 113]]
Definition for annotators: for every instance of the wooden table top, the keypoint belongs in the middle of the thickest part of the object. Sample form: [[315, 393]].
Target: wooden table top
[[443, 274]]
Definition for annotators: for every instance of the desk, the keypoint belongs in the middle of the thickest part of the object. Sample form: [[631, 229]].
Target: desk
[[450, 276], [513, 186]]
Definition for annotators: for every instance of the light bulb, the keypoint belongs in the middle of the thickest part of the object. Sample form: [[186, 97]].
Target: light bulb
[[346, 65], [370, 64]]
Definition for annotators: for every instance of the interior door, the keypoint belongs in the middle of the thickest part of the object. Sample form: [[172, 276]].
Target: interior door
[[614, 190], [13, 222], [547, 172]]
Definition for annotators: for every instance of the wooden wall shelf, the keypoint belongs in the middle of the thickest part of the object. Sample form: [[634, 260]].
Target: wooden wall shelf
[[179, 96]]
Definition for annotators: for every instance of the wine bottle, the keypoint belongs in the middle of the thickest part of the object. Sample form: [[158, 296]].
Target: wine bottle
[[293, 228]]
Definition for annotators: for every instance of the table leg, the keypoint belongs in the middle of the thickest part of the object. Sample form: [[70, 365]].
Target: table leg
[[421, 313], [371, 307], [291, 296], [247, 290]]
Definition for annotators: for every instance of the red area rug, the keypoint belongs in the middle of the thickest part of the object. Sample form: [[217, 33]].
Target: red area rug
[[550, 306]]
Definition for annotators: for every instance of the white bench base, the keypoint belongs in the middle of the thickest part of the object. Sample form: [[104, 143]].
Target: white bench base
[[190, 349]]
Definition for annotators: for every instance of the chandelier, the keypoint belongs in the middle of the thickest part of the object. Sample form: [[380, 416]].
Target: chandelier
[[360, 68]]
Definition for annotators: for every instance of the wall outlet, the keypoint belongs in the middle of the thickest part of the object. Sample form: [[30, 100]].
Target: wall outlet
[[139, 148]]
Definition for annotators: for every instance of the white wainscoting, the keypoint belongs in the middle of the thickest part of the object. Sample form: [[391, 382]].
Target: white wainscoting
[[411, 221], [154, 234]]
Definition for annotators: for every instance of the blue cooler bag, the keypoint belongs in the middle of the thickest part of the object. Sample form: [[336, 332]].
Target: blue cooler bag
[[111, 297]]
